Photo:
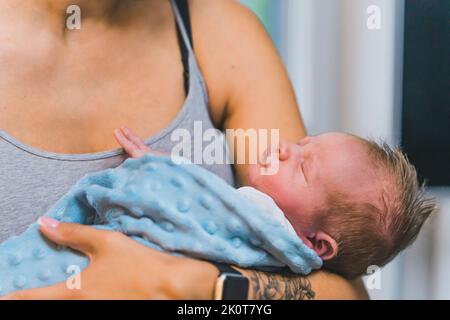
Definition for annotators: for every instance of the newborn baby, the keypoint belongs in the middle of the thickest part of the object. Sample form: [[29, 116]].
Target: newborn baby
[[354, 202], [336, 201]]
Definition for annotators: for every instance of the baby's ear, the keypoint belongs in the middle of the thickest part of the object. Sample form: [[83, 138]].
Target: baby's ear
[[324, 245]]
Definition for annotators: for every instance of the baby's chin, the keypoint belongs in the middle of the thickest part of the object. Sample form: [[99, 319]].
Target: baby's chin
[[254, 175]]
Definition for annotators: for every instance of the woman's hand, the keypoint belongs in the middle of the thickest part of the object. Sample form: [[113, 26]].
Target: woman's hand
[[121, 268]]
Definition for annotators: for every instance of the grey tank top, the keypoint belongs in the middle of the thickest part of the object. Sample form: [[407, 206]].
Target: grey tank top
[[31, 180]]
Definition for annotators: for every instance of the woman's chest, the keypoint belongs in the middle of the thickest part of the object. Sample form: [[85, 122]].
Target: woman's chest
[[72, 103]]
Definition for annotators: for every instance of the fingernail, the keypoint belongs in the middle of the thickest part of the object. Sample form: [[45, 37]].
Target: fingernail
[[48, 222]]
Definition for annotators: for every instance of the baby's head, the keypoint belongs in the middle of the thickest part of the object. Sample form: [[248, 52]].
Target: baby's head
[[354, 202]]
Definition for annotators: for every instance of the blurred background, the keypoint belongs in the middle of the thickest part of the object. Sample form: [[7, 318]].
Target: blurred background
[[379, 69]]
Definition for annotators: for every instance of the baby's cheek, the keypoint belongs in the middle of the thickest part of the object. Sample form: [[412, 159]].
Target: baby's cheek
[[276, 185], [253, 176]]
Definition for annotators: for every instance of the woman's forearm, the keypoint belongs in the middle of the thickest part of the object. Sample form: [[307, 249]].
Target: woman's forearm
[[318, 285], [271, 286]]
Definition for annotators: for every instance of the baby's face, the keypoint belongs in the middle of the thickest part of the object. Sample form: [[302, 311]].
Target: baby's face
[[312, 168]]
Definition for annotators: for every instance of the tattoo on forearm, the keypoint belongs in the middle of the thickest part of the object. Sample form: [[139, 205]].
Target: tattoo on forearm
[[269, 286]]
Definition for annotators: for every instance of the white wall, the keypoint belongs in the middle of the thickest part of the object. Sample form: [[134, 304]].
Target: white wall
[[347, 77], [371, 69], [311, 49]]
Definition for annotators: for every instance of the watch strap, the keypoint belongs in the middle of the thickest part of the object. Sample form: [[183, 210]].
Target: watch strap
[[224, 268]]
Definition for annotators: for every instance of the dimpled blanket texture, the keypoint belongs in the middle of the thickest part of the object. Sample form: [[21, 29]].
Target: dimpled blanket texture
[[180, 208]]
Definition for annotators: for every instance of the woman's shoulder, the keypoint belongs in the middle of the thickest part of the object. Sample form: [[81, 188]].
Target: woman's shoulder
[[224, 8], [229, 19], [226, 35]]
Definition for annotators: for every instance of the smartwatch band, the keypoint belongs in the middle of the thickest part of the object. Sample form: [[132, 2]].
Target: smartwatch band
[[224, 268]]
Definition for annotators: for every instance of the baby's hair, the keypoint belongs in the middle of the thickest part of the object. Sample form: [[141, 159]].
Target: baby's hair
[[368, 234]]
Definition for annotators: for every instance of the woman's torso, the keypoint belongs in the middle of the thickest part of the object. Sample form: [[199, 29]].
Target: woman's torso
[[72, 101]]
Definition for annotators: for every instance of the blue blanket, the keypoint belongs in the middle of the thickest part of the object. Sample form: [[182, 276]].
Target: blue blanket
[[179, 208]]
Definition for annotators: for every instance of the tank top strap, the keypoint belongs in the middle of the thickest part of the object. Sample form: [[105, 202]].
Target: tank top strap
[[181, 10]]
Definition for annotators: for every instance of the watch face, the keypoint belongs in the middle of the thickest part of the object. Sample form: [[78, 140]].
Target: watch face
[[235, 287]]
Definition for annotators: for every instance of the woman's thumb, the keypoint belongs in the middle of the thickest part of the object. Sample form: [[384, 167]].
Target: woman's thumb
[[76, 236]]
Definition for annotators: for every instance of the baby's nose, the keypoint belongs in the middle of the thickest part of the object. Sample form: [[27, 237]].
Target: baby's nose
[[284, 151]]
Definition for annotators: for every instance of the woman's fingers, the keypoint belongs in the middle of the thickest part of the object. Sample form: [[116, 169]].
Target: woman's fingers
[[76, 236]]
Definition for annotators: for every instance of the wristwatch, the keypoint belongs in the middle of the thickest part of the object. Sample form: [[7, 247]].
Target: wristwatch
[[231, 284]]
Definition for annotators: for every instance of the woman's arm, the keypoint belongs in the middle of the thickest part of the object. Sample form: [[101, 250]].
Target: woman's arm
[[247, 82], [245, 74], [319, 285]]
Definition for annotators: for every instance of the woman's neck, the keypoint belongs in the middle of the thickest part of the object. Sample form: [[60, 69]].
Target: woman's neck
[[123, 12], [89, 8]]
